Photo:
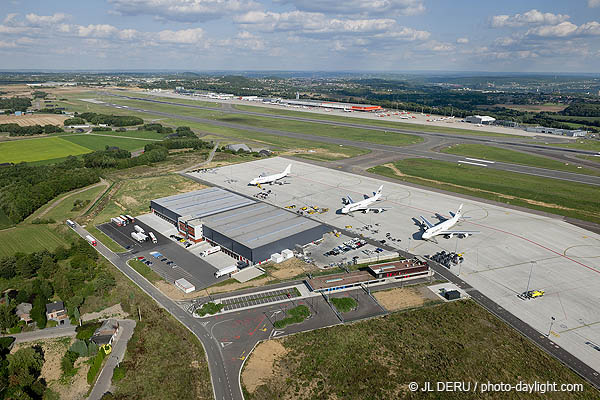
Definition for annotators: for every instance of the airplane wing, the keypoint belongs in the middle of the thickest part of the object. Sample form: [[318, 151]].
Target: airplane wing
[[429, 224], [458, 232], [350, 200]]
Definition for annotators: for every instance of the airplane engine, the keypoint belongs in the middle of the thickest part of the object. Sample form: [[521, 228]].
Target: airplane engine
[[450, 236]]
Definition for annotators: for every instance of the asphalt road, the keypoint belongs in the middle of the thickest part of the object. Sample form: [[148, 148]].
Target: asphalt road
[[47, 333], [419, 150], [102, 385]]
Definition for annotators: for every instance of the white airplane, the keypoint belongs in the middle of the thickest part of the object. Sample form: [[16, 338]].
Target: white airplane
[[443, 227], [363, 205], [271, 178]]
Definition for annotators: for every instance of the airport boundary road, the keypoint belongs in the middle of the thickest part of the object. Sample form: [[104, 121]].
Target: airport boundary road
[[407, 151], [222, 386]]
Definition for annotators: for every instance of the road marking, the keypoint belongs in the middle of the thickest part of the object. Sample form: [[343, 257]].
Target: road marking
[[483, 161], [261, 321], [472, 163], [224, 344], [204, 323], [276, 333]]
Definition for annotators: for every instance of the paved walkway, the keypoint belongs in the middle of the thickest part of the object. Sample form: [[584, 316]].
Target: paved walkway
[[104, 380], [47, 333]]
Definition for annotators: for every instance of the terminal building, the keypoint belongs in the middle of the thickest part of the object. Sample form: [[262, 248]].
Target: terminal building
[[480, 119], [247, 230]]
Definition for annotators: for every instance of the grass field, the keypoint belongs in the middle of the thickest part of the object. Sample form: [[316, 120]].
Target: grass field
[[323, 151], [545, 194], [64, 210], [376, 359], [97, 142], [370, 122], [132, 196], [135, 134], [309, 128], [581, 144], [28, 238], [344, 304], [515, 157], [39, 149], [200, 103], [590, 158]]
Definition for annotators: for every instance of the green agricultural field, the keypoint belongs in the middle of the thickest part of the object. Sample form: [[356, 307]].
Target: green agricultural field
[[39, 149], [28, 238], [378, 358], [551, 195], [516, 157], [97, 142]]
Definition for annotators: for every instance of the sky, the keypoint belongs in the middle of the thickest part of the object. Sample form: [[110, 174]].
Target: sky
[[310, 35]]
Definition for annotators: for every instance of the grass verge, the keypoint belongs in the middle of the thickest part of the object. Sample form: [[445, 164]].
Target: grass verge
[[376, 359], [108, 242], [551, 195], [209, 308], [344, 304], [294, 316], [28, 238], [510, 156], [144, 270]]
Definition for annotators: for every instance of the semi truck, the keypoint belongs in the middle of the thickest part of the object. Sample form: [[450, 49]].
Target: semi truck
[[91, 240], [226, 271], [153, 237], [71, 223], [130, 218], [124, 218], [212, 250], [138, 229], [117, 221]]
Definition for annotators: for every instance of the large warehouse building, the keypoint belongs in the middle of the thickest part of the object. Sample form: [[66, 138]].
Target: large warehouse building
[[247, 230]]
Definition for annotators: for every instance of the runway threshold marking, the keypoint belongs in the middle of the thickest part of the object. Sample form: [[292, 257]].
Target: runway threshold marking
[[472, 163]]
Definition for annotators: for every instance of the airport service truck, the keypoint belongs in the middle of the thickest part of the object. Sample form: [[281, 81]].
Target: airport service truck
[[91, 240], [153, 237], [71, 223], [226, 271], [140, 237], [138, 229], [212, 250]]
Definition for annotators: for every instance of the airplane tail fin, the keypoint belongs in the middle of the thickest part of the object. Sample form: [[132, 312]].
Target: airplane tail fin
[[288, 169], [379, 190], [459, 212]]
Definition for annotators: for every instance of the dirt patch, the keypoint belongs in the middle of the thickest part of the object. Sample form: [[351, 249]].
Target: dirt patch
[[77, 388], [175, 294], [111, 312], [129, 201], [291, 268], [400, 298], [54, 349], [261, 365], [504, 196], [237, 286], [36, 119]]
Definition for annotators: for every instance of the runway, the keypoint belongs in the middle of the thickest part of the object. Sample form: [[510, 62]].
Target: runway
[[389, 152]]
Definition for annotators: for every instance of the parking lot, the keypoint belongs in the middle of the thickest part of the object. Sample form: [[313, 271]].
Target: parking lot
[[186, 265], [498, 261], [343, 250], [259, 298]]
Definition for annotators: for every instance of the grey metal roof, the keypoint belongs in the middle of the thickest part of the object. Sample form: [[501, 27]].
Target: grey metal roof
[[258, 224], [201, 203]]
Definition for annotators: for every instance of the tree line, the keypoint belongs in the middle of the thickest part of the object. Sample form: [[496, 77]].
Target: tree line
[[12, 104], [17, 130]]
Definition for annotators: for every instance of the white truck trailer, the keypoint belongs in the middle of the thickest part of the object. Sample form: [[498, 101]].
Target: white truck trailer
[[226, 271], [91, 240], [210, 251], [138, 229], [153, 237]]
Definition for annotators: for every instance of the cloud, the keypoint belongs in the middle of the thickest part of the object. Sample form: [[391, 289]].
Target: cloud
[[184, 36], [531, 17], [97, 31], [359, 7], [435, 46], [565, 29], [302, 22], [41, 20], [4, 45], [593, 3], [462, 40], [183, 10]]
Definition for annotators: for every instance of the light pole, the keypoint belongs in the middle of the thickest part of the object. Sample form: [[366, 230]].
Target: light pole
[[530, 272], [551, 322]]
